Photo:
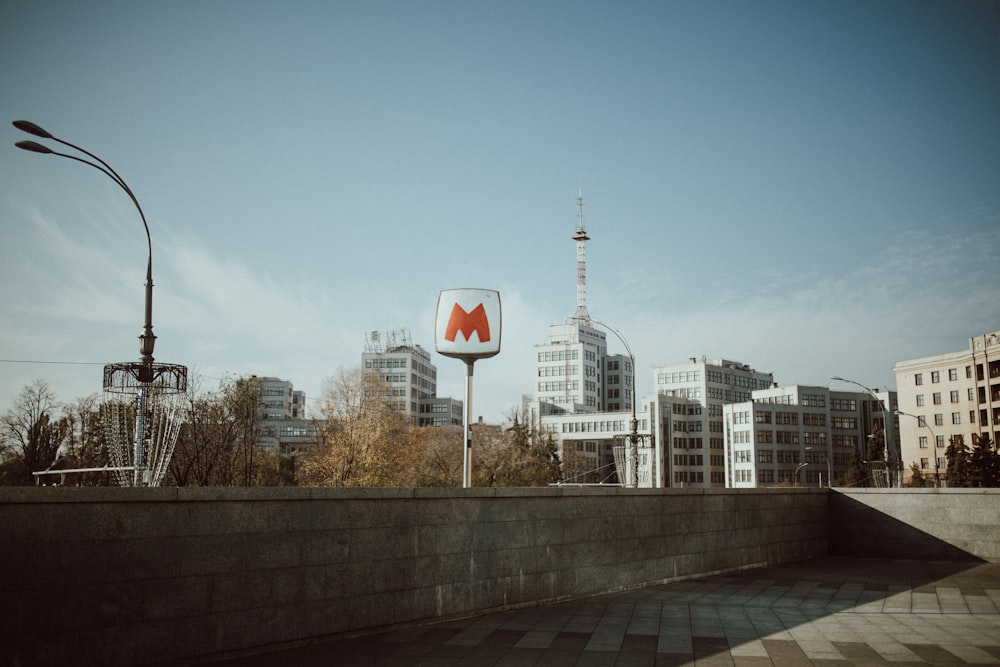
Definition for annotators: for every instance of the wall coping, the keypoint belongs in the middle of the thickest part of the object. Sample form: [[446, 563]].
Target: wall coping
[[92, 494]]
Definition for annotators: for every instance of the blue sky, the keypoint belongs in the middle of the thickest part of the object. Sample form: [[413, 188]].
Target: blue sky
[[812, 188]]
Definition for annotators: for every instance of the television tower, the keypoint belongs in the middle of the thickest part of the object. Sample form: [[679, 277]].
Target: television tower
[[581, 239]]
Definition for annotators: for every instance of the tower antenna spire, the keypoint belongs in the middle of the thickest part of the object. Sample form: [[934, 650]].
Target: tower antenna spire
[[581, 239]]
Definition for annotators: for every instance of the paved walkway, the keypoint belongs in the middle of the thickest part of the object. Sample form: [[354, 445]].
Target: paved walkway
[[826, 612]]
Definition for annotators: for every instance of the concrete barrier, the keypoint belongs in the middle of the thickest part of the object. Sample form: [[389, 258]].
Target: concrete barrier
[[137, 576], [937, 524]]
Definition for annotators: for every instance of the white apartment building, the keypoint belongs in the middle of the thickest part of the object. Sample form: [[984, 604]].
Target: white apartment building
[[694, 445], [948, 397], [411, 379], [805, 434]]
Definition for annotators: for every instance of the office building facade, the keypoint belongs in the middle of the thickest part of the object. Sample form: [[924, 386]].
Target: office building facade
[[952, 397]]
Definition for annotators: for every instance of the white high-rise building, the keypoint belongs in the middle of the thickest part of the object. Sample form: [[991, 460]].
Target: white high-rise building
[[694, 444]]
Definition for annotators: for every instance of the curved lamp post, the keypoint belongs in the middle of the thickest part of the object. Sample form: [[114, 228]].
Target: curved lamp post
[[797, 469], [144, 430], [885, 416], [634, 425], [923, 422]]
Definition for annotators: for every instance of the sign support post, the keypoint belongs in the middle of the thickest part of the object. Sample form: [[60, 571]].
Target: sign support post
[[467, 451], [467, 326]]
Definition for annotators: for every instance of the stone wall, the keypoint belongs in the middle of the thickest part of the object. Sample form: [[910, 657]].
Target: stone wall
[[937, 524], [136, 576]]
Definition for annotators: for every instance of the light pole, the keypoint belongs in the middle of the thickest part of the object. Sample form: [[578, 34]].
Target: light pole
[[923, 422], [634, 425], [145, 428], [800, 467], [829, 473], [885, 418]]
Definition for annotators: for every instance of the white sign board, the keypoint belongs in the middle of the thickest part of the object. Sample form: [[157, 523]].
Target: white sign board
[[467, 324]]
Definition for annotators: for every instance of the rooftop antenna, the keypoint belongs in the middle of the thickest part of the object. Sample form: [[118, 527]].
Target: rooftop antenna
[[581, 239]]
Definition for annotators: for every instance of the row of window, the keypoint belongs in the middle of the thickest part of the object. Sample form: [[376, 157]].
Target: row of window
[[678, 377], [559, 355], [918, 378], [956, 418], [559, 385], [952, 395]]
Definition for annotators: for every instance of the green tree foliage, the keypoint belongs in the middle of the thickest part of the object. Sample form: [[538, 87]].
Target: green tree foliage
[[984, 464], [30, 437], [916, 476], [959, 462], [855, 475]]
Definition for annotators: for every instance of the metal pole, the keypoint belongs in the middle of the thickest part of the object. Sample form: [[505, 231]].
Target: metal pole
[[467, 451]]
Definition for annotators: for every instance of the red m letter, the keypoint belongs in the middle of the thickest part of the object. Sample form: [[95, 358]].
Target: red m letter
[[459, 320]]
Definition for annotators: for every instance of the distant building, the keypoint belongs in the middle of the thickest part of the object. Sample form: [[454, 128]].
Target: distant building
[[948, 397], [804, 434], [285, 429], [280, 400], [411, 379], [694, 445]]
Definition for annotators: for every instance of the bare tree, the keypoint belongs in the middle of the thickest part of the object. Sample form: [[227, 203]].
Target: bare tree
[[441, 461], [220, 444], [85, 445], [29, 436]]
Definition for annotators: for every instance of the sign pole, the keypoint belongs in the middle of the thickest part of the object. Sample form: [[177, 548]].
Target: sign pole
[[467, 327], [467, 456]]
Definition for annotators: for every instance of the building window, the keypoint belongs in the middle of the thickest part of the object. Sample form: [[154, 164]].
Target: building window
[[936, 398], [954, 396], [918, 378], [939, 420], [972, 416], [956, 417], [952, 373], [935, 377], [920, 400], [939, 441], [923, 442], [925, 463]]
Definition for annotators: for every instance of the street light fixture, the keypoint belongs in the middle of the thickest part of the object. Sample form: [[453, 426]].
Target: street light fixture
[[829, 472], [885, 416], [800, 467], [141, 405], [634, 425], [937, 466]]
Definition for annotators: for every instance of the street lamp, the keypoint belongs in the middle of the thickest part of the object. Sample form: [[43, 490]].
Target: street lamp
[[829, 473], [800, 467], [142, 406], [885, 418], [634, 425], [923, 422]]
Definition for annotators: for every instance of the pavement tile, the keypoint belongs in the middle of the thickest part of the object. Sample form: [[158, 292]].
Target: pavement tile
[[830, 612]]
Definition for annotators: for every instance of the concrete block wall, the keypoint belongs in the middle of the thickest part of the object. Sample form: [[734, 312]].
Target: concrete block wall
[[145, 576], [936, 524]]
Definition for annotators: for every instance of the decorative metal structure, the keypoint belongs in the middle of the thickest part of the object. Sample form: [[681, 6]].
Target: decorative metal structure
[[143, 406]]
